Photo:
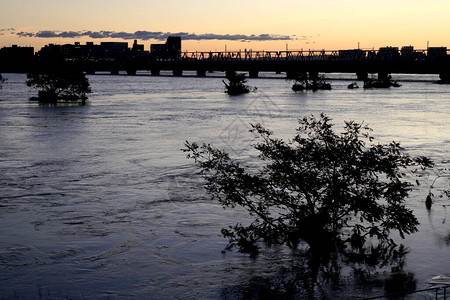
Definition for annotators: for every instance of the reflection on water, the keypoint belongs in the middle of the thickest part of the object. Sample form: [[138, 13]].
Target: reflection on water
[[98, 201]]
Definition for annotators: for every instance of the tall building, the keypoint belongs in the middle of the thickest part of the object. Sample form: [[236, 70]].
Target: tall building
[[137, 47], [174, 46], [170, 50], [114, 50]]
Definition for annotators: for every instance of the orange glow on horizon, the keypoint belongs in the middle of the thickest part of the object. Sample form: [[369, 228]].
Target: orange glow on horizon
[[326, 24], [222, 45]]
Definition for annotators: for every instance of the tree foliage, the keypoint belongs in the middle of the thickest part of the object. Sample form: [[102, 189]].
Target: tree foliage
[[54, 85], [331, 191], [236, 83], [301, 83]]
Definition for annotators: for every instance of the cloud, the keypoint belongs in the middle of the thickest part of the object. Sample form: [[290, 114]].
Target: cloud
[[25, 34], [151, 35]]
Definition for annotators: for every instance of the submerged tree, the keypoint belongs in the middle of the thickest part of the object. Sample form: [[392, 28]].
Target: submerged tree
[[301, 83], [58, 84], [331, 192], [236, 84]]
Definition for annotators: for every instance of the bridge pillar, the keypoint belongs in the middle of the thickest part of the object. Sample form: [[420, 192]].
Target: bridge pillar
[[445, 77], [177, 72], [131, 72], [296, 75], [114, 72], [253, 73], [90, 72], [313, 75], [362, 76], [201, 73], [383, 75], [155, 72]]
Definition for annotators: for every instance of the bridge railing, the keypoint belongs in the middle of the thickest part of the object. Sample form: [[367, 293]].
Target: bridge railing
[[308, 55]]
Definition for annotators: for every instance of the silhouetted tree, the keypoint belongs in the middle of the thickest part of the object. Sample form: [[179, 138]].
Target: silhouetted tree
[[236, 83], [302, 84], [333, 192], [54, 85], [440, 174], [380, 83]]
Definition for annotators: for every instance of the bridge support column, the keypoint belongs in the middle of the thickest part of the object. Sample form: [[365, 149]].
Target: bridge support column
[[362, 76], [177, 72], [90, 72], [253, 73], [201, 73], [131, 72], [383, 75], [155, 72], [445, 77], [296, 75], [114, 72]]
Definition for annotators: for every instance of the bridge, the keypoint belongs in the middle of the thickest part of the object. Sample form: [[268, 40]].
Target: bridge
[[312, 62]]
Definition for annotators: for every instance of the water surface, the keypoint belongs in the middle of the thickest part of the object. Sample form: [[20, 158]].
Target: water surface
[[98, 201]]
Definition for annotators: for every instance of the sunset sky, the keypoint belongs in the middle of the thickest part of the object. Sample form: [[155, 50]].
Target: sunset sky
[[212, 25]]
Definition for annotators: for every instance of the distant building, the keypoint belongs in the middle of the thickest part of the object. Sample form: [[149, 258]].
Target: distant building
[[174, 46], [17, 53], [52, 52], [170, 50], [388, 52], [136, 47], [16, 58], [113, 50], [351, 54], [407, 51], [437, 52], [158, 51]]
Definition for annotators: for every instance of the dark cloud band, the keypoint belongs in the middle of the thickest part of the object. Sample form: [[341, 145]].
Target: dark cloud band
[[161, 36]]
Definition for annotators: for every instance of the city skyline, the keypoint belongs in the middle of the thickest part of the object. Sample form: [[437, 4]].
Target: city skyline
[[205, 26]]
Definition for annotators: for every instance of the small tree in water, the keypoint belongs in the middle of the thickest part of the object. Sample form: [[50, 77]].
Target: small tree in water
[[236, 85], [330, 191], [54, 85]]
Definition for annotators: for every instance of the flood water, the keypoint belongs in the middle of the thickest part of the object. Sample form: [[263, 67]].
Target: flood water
[[98, 201]]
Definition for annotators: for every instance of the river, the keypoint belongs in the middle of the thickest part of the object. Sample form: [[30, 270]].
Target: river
[[98, 201]]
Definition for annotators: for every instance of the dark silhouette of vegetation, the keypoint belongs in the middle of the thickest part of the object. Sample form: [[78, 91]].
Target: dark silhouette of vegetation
[[444, 78], [303, 84], [353, 85], [1, 81], [441, 174], [55, 85], [331, 192], [236, 84], [380, 83]]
